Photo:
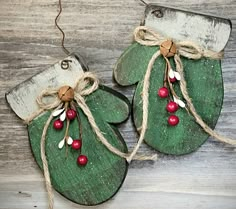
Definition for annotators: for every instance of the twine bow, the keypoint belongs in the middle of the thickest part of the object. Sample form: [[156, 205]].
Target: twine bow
[[148, 37]]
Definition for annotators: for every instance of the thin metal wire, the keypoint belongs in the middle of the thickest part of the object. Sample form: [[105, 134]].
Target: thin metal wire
[[60, 29], [145, 3], [64, 36]]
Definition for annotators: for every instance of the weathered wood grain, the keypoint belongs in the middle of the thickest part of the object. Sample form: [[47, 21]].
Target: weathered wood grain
[[207, 31], [205, 90], [105, 172], [100, 30], [22, 98]]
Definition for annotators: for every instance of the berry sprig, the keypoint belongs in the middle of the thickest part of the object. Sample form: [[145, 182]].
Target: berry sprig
[[171, 106], [77, 144], [68, 112], [168, 49]]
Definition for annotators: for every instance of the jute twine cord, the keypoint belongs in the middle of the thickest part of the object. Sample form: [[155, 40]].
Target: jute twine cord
[[44, 106], [183, 87], [148, 37], [45, 162], [82, 104], [145, 98], [81, 90]]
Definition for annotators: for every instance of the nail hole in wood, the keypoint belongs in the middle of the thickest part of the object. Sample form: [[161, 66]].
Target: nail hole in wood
[[158, 13], [65, 64]]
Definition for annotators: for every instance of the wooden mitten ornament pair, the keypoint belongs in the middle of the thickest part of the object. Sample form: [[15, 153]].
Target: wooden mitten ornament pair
[[71, 117]]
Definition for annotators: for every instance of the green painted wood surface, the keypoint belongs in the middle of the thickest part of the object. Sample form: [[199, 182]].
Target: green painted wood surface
[[105, 172], [205, 87]]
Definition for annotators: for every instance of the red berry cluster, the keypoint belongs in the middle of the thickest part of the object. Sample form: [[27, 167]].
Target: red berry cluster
[[171, 107], [77, 143], [70, 114]]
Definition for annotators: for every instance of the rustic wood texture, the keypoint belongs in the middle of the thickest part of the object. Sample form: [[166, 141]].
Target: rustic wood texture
[[207, 31], [23, 98], [105, 172], [205, 90], [100, 30]]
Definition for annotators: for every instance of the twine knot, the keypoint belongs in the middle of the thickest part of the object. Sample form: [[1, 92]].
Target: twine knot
[[85, 85]]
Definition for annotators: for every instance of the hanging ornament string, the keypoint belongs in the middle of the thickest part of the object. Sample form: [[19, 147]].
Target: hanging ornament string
[[65, 63], [60, 29], [148, 37], [143, 2]]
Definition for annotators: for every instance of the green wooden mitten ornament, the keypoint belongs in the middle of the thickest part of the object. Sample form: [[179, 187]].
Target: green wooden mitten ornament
[[82, 162], [175, 62]]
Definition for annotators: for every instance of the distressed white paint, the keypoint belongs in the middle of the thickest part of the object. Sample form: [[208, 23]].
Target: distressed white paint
[[22, 98], [209, 32]]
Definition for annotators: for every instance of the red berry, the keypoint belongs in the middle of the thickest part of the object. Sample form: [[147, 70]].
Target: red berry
[[163, 92], [58, 124], [76, 144], [173, 120], [82, 160], [71, 114], [172, 80], [172, 107]]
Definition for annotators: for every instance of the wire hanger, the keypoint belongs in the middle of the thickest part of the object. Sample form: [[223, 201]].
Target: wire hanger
[[65, 64]]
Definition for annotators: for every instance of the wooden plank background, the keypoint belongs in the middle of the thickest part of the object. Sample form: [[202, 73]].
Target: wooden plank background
[[100, 30]]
